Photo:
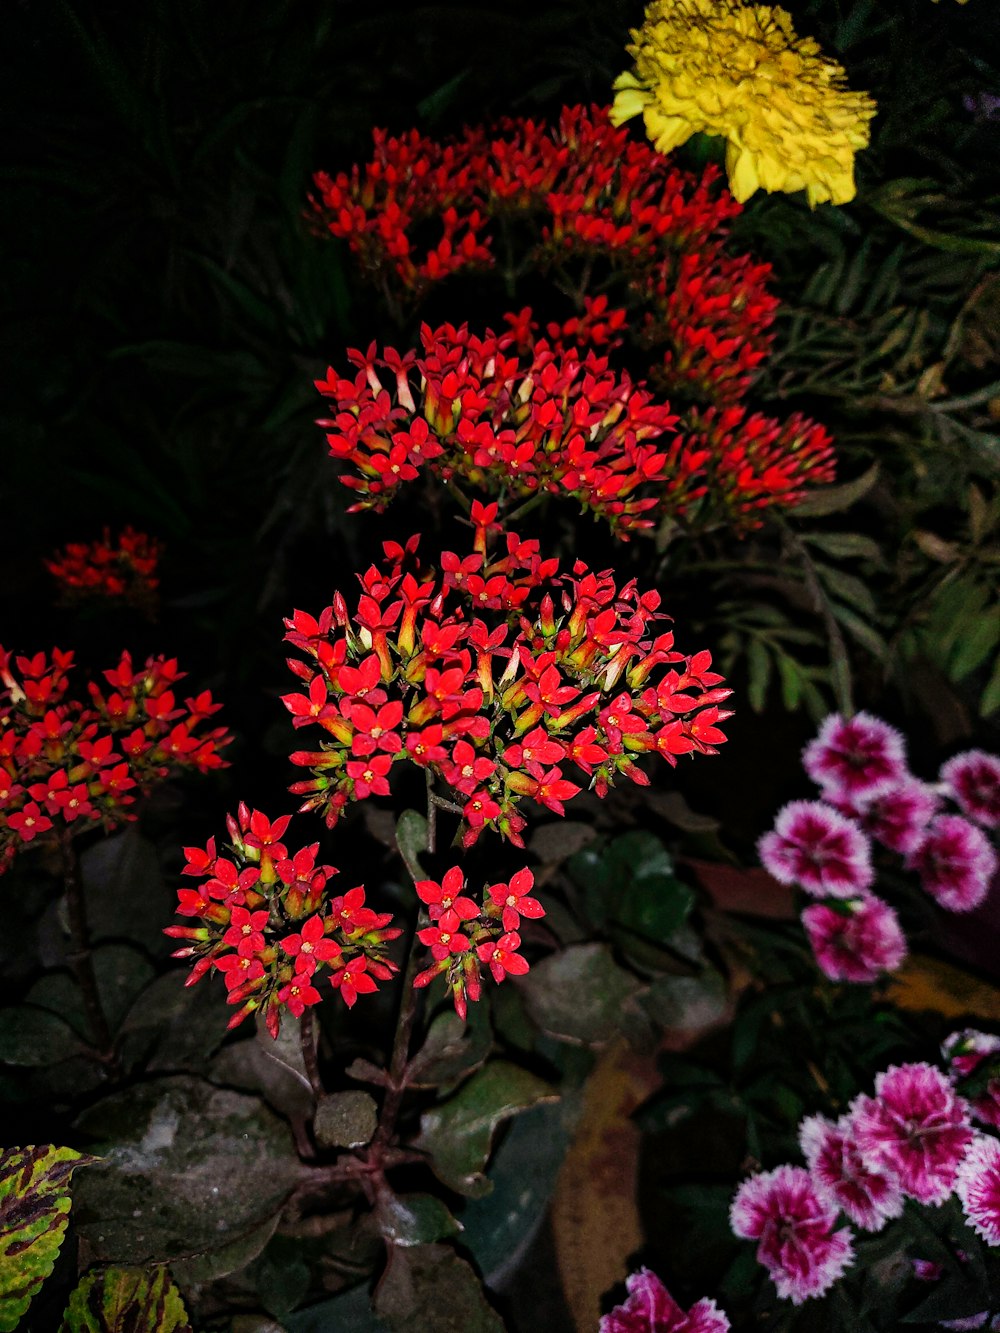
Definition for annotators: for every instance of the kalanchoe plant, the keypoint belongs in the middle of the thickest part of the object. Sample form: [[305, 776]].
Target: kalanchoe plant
[[870, 799], [69, 763], [271, 926], [586, 204], [555, 421], [109, 570], [492, 673]]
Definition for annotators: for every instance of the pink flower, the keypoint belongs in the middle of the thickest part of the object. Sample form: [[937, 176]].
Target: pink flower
[[973, 782], [898, 817], [814, 846], [855, 939], [978, 1188], [798, 1246], [966, 1052], [651, 1309], [915, 1128], [852, 756], [955, 862], [867, 1197]]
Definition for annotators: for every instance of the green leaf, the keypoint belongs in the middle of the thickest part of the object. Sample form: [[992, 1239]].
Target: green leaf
[[687, 1003], [411, 839], [32, 1037], [34, 1211], [501, 1227], [979, 640], [232, 1257], [562, 838], [429, 1289], [861, 631], [452, 1049], [458, 1134], [281, 1276], [791, 681], [348, 1312], [126, 1300], [758, 674], [579, 994], [188, 1168], [345, 1119], [655, 908], [126, 868], [990, 701], [121, 971], [854, 591], [832, 499], [415, 1219], [846, 545], [173, 1027]]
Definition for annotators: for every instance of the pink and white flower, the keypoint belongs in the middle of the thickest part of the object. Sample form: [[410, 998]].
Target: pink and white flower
[[869, 1198], [818, 848], [783, 1210], [973, 781], [855, 939], [966, 1052], [978, 1188], [955, 862], [651, 1309], [898, 817], [855, 756], [915, 1129]]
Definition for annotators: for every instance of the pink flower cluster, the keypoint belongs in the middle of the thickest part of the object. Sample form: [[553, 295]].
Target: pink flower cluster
[[650, 1308], [580, 192], [910, 1140], [270, 925], [494, 673], [67, 764], [974, 1065], [869, 796], [558, 421]]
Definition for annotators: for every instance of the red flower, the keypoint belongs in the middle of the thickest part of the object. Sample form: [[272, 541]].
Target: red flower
[[239, 970], [246, 932], [29, 822], [353, 980], [445, 902], [310, 946], [502, 957], [442, 942], [370, 775], [298, 994], [513, 899]]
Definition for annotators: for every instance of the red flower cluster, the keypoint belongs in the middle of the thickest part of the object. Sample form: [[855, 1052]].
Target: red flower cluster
[[270, 924], [464, 936], [557, 421], [493, 673], [68, 764], [123, 569], [580, 190]]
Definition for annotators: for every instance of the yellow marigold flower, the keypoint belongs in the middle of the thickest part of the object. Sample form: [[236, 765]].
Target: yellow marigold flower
[[720, 67]]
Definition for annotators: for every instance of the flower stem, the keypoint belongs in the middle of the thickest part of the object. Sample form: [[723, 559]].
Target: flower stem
[[395, 1083], [307, 1039], [81, 959]]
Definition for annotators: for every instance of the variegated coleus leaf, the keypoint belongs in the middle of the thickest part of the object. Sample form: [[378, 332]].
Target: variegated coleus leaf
[[34, 1211], [126, 1300]]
